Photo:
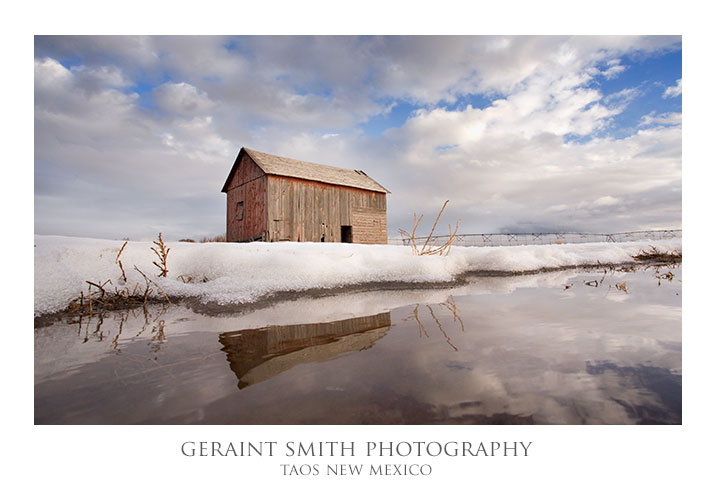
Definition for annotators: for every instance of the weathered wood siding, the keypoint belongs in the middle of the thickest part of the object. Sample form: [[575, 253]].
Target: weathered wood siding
[[369, 225], [247, 185], [259, 354], [307, 211]]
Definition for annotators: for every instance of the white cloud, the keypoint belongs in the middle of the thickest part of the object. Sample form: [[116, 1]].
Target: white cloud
[[557, 208], [503, 164], [667, 119], [606, 201], [543, 107], [674, 91], [183, 99], [98, 77], [614, 69], [50, 76], [499, 179], [622, 97], [111, 162], [266, 73]]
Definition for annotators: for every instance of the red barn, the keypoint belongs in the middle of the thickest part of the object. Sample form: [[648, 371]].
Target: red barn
[[274, 198]]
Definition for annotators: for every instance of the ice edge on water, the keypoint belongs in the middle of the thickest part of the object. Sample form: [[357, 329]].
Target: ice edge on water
[[238, 273]]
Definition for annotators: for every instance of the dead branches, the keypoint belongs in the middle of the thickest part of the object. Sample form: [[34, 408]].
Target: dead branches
[[411, 237], [116, 298], [126, 297], [430, 246], [99, 286], [123, 277], [148, 281], [162, 254], [653, 255], [186, 279], [451, 307]]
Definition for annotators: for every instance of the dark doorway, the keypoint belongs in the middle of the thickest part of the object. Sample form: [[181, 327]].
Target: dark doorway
[[347, 234]]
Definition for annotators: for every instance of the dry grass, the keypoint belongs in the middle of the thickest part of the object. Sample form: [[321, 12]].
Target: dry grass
[[451, 307], [653, 255], [123, 277], [431, 246], [105, 295], [217, 238], [114, 298], [161, 252], [189, 279]]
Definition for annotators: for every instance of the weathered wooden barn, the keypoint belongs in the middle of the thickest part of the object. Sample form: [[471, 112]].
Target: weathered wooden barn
[[257, 354], [274, 198]]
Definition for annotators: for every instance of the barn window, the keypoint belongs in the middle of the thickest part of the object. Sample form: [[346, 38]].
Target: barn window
[[239, 210]]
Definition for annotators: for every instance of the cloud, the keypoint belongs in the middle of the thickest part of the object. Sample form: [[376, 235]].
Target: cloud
[[109, 162], [182, 99], [352, 71], [93, 79], [508, 183], [613, 70], [674, 91], [606, 201], [139, 132], [622, 97], [667, 119]]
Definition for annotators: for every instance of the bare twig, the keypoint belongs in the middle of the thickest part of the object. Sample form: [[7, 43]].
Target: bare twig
[[147, 290], [434, 225], [440, 327], [162, 254], [430, 247], [100, 286], [89, 296], [452, 307], [123, 277], [411, 236]]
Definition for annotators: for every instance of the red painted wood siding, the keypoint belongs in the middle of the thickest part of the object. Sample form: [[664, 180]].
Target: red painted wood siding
[[247, 185]]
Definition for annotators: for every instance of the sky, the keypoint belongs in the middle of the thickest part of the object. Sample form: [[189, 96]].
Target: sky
[[136, 135]]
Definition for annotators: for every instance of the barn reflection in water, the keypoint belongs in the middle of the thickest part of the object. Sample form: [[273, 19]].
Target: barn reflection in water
[[256, 355]]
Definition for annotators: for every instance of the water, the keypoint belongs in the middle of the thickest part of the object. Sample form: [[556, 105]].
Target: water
[[570, 347]]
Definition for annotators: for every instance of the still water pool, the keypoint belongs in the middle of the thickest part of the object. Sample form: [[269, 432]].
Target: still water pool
[[569, 347]]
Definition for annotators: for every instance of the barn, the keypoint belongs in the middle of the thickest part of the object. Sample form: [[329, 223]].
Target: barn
[[273, 198]]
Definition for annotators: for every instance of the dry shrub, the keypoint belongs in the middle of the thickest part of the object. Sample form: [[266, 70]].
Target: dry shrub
[[431, 246], [161, 252], [115, 298], [106, 298], [123, 277], [653, 255], [217, 238]]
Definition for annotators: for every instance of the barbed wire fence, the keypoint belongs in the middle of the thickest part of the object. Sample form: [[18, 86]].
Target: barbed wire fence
[[503, 239]]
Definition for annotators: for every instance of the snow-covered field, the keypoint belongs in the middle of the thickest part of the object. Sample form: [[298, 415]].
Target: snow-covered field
[[246, 272]]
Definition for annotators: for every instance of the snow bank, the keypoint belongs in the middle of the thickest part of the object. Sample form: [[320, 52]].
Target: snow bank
[[243, 273]]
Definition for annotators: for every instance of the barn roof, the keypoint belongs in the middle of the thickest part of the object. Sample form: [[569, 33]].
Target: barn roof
[[288, 167]]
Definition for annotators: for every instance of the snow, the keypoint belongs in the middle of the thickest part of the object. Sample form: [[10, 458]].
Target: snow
[[247, 272]]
